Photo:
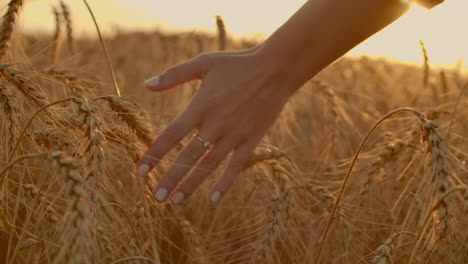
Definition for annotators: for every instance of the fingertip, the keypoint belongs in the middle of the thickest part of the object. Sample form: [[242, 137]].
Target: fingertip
[[215, 196], [153, 82], [143, 169]]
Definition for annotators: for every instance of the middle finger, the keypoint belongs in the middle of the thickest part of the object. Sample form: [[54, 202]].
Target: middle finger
[[186, 159]]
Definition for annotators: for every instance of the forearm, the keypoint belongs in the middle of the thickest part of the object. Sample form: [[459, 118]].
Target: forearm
[[322, 31]]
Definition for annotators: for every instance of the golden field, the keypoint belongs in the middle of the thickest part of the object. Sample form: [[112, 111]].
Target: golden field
[[69, 191]]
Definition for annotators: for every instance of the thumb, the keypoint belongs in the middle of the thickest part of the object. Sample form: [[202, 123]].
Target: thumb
[[184, 72]]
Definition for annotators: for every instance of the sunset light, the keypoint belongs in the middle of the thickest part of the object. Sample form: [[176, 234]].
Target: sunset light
[[440, 28]]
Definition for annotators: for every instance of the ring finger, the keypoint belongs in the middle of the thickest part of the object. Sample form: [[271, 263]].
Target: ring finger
[[186, 159]]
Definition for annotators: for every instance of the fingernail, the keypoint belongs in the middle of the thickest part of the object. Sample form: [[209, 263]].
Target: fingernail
[[161, 194], [215, 196], [177, 198], [152, 82], [143, 170]]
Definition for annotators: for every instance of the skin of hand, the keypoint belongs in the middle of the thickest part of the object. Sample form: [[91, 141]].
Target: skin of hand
[[243, 93], [236, 104]]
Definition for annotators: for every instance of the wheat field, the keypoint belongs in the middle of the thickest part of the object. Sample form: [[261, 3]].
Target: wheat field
[[366, 164]]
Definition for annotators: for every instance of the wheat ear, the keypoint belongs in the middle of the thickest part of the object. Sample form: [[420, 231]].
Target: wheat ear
[[426, 63], [131, 114], [262, 154], [8, 25], [69, 26], [222, 36], [11, 111], [392, 149], [384, 252], [76, 233], [93, 148], [440, 171], [68, 78], [24, 84]]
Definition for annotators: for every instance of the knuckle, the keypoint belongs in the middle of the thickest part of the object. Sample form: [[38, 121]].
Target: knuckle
[[204, 57]]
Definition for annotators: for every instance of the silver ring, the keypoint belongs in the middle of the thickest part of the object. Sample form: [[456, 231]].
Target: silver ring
[[205, 143]]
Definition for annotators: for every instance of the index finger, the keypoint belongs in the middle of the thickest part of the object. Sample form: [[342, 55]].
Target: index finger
[[170, 136]]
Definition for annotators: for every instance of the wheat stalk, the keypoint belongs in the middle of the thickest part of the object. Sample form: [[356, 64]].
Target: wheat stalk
[[68, 78], [56, 45], [199, 252], [104, 46], [51, 213], [8, 25], [351, 167]]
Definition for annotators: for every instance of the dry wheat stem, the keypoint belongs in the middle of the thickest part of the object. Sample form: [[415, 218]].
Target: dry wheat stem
[[8, 24], [423, 227], [103, 44], [135, 258], [33, 191], [18, 159], [131, 146], [460, 96], [194, 240], [69, 79], [350, 169], [74, 99], [56, 45]]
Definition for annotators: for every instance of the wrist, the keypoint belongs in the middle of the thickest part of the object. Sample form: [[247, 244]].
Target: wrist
[[281, 70]]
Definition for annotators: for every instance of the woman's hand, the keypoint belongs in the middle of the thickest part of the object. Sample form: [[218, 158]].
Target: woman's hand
[[241, 96]]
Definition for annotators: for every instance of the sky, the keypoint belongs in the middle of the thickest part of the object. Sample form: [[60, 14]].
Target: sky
[[443, 29]]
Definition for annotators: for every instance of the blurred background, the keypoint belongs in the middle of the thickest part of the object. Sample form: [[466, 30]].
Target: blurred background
[[442, 28]]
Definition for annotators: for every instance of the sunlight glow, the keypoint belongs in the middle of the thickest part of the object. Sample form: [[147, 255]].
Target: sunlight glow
[[442, 28]]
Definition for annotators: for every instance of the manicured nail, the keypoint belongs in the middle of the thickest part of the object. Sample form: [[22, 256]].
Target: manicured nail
[[143, 170], [177, 198], [215, 196], [161, 194], [152, 82]]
